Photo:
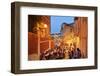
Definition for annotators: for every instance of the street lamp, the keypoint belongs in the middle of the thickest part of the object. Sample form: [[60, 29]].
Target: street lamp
[[45, 25]]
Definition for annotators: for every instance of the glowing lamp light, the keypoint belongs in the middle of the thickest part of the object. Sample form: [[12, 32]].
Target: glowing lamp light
[[45, 25]]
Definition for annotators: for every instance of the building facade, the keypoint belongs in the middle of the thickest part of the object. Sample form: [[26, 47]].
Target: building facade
[[76, 33], [81, 30], [39, 38]]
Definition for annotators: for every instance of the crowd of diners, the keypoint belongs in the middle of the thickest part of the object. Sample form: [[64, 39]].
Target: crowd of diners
[[61, 53]]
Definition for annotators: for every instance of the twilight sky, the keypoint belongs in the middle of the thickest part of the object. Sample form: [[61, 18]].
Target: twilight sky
[[56, 22]]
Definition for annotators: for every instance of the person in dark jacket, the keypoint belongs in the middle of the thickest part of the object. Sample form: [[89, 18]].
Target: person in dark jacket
[[77, 53]]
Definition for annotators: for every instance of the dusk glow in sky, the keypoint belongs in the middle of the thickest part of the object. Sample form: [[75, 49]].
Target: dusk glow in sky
[[56, 22]]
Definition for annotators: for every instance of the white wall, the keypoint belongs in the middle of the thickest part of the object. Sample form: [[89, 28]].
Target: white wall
[[5, 42]]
